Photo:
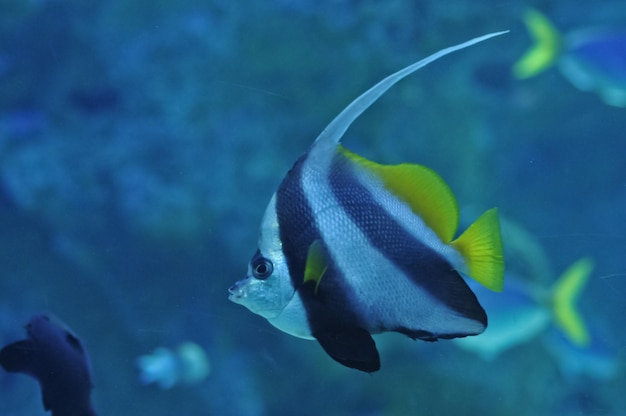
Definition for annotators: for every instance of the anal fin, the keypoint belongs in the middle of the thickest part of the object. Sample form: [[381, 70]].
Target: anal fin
[[352, 347]]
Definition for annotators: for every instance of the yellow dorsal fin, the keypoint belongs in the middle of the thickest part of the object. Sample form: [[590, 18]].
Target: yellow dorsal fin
[[565, 292], [316, 264], [481, 247], [545, 49], [422, 189]]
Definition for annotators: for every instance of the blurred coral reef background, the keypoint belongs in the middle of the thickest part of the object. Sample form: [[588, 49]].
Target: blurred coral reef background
[[141, 141]]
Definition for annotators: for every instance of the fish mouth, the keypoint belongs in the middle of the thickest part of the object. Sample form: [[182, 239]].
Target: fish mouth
[[235, 292]]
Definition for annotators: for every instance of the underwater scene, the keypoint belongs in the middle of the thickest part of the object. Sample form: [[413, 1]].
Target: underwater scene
[[298, 207]]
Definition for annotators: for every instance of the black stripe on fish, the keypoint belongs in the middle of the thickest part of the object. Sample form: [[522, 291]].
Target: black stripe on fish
[[332, 321], [296, 224], [424, 266], [297, 231], [336, 323]]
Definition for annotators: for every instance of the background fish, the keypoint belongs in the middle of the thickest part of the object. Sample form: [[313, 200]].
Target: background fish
[[187, 364], [54, 356], [524, 311], [592, 60], [349, 248]]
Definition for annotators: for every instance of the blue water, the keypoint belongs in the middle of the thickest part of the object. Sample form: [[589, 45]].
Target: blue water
[[141, 141]]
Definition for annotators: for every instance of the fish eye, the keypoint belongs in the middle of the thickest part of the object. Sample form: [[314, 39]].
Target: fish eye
[[262, 268]]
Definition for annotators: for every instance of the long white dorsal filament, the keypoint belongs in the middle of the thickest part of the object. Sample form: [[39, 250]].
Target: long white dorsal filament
[[334, 131]]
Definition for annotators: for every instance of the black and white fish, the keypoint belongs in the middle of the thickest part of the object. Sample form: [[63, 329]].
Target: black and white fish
[[350, 248]]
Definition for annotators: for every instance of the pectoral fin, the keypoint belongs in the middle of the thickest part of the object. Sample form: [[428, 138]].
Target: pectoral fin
[[316, 264], [352, 347], [19, 357]]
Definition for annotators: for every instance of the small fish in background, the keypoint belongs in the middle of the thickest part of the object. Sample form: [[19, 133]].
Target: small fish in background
[[522, 312], [186, 364], [350, 248], [54, 356], [592, 60]]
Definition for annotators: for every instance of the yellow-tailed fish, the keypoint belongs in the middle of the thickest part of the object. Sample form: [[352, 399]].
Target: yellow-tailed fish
[[524, 311], [545, 50], [591, 59], [350, 248]]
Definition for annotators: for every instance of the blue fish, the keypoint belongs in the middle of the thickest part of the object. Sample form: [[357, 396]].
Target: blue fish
[[522, 312], [592, 60], [54, 356], [350, 248]]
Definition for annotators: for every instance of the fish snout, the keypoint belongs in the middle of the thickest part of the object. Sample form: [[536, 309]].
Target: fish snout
[[237, 291]]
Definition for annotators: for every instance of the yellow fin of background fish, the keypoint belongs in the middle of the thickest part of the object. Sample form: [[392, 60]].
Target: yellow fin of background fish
[[481, 247], [422, 189], [316, 264], [565, 292], [546, 46]]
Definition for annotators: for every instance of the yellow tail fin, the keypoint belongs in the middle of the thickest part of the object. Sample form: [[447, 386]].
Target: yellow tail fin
[[481, 247], [546, 46], [565, 292]]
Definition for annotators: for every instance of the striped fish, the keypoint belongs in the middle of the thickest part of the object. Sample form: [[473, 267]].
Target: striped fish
[[350, 248]]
